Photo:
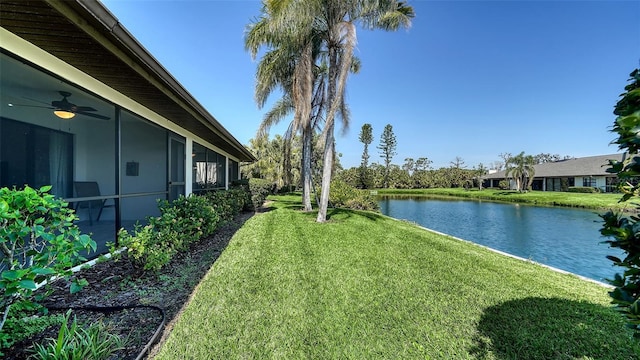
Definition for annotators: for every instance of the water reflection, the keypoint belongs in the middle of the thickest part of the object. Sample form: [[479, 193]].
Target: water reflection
[[568, 239]]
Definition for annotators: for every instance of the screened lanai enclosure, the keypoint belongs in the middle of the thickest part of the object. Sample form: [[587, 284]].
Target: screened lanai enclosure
[[109, 163]]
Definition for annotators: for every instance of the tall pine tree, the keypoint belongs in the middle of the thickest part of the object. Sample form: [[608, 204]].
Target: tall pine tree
[[366, 137], [387, 149]]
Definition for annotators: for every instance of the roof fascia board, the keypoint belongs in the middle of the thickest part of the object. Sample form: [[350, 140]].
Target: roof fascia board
[[140, 60], [33, 54]]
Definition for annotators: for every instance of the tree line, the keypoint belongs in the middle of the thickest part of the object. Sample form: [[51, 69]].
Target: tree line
[[276, 163]]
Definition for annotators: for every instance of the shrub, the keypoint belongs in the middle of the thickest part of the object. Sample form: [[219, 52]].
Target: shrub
[[260, 189], [503, 185], [583, 189], [242, 187], [625, 231], [228, 203], [193, 216], [39, 241], [181, 223], [346, 196]]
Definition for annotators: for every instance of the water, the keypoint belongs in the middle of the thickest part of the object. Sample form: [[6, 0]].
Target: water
[[567, 239]]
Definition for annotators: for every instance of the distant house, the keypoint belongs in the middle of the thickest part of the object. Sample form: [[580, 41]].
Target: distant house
[[560, 175], [86, 109]]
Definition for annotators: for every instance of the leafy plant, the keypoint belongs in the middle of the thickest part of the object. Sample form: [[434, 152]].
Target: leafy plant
[[22, 324], [76, 343], [346, 196], [39, 241], [260, 189], [181, 223], [625, 231]]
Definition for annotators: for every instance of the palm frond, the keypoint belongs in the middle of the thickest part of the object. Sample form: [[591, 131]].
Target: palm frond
[[281, 109]]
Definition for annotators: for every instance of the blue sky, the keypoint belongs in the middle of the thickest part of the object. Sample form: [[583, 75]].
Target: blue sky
[[469, 79]]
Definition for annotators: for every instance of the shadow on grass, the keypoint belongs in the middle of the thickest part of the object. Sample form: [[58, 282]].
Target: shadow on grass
[[503, 193], [541, 328], [339, 214]]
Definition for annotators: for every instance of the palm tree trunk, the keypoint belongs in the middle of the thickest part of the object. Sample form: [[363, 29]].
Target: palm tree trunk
[[307, 135], [303, 95], [341, 43]]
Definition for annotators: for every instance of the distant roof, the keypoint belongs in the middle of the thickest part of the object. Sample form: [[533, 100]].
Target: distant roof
[[584, 166]]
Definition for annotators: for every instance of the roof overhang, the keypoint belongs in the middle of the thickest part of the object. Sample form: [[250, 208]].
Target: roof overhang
[[86, 35]]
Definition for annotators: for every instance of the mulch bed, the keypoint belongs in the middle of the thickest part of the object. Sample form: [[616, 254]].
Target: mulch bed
[[118, 283]]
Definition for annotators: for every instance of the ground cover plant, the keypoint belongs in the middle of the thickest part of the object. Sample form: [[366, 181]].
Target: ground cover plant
[[604, 201], [366, 286]]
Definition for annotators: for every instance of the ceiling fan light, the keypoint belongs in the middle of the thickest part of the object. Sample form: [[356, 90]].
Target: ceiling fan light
[[63, 114]]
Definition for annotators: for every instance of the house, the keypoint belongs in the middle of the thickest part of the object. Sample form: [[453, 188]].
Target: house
[[588, 171], [85, 108]]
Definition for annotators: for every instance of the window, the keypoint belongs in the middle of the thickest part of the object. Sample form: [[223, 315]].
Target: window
[[34, 155], [233, 171], [589, 181], [209, 169]]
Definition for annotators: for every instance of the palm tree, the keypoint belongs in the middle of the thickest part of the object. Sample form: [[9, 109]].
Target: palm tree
[[337, 21], [521, 169], [289, 65], [295, 28]]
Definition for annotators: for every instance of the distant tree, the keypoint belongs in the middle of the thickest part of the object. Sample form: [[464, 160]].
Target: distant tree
[[409, 165], [350, 176], [399, 178], [497, 165], [623, 229], [422, 164], [505, 159], [457, 163], [387, 149], [546, 158], [521, 169], [480, 171], [366, 137]]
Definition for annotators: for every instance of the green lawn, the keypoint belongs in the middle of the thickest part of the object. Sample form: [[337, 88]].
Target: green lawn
[[544, 198], [366, 286]]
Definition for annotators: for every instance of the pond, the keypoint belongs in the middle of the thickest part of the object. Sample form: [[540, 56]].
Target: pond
[[567, 239]]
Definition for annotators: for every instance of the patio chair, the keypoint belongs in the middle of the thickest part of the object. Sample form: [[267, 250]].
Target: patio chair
[[90, 189]]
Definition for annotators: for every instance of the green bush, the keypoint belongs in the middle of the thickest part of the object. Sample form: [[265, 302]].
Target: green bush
[[343, 195], [228, 203], [39, 241], [260, 189], [182, 222], [242, 187], [625, 231], [583, 189], [503, 185]]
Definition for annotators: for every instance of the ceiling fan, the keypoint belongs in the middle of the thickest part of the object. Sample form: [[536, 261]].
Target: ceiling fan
[[66, 110]]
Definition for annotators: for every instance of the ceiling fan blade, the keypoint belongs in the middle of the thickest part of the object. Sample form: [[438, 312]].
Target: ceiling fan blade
[[64, 105], [97, 116], [33, 106], [36, 100], [84, 108]]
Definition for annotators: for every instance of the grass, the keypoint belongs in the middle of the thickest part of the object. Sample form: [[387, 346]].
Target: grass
[[604, 201], [366, 286]]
